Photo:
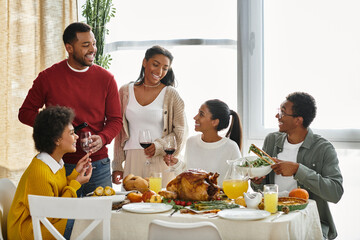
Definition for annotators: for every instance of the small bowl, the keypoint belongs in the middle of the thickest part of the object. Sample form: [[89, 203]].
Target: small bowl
[[256, 171]]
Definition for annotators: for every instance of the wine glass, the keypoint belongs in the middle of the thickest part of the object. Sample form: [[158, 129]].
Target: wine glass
[[85, 141], [145, 141], [235, 182], [170, 148], [170, 145]]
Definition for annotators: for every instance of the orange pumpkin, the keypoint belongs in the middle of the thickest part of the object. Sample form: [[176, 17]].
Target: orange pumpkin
[[299, 193]]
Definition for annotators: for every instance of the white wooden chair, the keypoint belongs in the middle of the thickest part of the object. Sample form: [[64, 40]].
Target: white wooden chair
[[7, 192], [163, 230], [96, 208]]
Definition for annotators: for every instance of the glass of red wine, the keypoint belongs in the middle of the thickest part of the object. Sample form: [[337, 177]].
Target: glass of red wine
[[145, 141], [170, 146]]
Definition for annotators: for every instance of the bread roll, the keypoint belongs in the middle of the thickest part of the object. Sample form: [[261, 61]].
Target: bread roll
[[141, 184], [128, 177]]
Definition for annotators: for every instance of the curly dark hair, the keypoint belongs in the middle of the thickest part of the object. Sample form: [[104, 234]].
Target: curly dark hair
[[169, 79], [69, 35], [49, 125], [304, 106]]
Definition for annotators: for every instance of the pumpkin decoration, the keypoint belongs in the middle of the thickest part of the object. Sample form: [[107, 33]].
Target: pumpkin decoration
[[299, 193]]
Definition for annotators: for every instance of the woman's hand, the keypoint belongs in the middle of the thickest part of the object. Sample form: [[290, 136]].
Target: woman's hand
[[85, 175], [170, 160], [117, 176], [150, 151], [83, 163]]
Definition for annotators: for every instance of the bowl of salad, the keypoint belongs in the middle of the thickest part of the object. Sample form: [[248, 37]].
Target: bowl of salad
[[256, 166]]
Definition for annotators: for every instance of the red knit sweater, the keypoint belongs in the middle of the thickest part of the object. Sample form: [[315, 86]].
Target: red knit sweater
[[92, 94]]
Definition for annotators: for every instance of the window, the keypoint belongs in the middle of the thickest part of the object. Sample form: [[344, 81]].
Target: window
[[309, 46], [201, 35]]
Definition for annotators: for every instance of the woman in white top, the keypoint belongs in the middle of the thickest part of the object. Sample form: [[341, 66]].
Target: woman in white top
[[209, 151], [149, 103]]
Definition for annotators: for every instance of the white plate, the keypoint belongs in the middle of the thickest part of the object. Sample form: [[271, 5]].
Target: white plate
[[243, 214], [147, 207], [114, 198]]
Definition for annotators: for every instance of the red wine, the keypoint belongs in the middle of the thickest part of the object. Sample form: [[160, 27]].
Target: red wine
[[145, 144], [169, 151]]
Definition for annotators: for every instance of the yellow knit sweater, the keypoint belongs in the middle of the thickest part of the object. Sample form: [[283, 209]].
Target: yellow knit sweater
[[38, 179]]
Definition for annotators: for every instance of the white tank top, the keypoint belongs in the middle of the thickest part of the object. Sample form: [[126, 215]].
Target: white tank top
[[144, 117]]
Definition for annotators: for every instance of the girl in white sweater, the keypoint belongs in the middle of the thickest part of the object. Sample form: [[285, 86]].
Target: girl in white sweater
[[209, 151]]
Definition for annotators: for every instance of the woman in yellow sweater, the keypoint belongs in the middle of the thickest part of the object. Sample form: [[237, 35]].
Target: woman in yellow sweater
[[54, 136]]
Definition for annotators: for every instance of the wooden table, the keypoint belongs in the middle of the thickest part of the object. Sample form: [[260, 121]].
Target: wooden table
[[303, 224]]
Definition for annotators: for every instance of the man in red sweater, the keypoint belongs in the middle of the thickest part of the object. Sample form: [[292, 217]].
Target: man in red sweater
[[88, 89]]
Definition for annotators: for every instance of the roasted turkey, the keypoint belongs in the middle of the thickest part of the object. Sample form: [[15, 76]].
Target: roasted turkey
[[193, 184]]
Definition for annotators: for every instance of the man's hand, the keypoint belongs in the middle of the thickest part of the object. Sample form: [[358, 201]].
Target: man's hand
[[257, 180], [150, 151], [285, 168], [97, 143], [117, 176]]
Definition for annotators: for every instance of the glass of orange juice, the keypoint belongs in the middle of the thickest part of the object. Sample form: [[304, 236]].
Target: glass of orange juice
[[155, 181], [236, 181], [271, 198]]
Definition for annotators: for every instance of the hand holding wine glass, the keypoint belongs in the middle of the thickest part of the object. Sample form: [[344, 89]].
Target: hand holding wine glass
[[85, 141]]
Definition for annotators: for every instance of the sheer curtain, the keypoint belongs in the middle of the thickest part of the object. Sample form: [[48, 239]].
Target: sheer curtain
[[31, 41]]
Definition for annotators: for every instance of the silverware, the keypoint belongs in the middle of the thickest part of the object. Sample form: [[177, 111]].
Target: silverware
[[175, 210], [277, 216]]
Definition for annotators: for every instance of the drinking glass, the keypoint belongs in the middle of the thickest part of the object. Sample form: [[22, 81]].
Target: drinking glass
[[155, 181], [85, 141], [170, 145], [145, 141], [145, 138], [271, 198], [236, 180]]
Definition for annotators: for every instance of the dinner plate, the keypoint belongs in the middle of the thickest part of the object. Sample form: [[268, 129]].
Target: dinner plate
[[114, 198], [147, 207], [243, 214]]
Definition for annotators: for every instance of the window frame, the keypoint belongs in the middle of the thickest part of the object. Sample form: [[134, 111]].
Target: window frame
[[251, 80]]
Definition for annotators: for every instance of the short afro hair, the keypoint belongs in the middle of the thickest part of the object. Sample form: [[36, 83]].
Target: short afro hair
[[69, 35], [49, 125], [304, 106]]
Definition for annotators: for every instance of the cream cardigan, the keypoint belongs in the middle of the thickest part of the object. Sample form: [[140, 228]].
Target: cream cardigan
[[174, 124]]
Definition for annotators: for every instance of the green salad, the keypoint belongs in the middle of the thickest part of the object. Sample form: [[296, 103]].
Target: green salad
[[257, 162]]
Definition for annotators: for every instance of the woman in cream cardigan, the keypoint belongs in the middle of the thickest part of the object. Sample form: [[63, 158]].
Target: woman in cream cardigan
[[151, 102]]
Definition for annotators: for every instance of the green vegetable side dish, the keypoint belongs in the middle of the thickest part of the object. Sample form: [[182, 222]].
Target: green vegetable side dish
[[209, 205], [202, 205], [257, 162]]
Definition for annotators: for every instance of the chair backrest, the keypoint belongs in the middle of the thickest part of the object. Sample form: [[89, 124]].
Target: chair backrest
[[96, 208], [7, 192], [161, 230]]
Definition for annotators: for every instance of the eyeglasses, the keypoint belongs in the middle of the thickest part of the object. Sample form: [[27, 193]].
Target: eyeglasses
[[282, 113]]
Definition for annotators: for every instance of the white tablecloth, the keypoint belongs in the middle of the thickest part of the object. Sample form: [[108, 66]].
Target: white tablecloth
[[303, 224]]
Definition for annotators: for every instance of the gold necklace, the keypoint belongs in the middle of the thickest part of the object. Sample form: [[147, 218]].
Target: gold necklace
[[151, 86]]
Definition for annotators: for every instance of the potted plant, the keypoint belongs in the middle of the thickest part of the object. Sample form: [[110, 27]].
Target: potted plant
[[97, 14]]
